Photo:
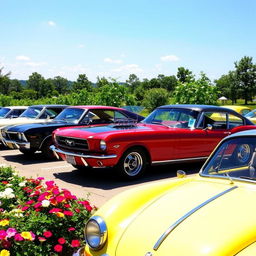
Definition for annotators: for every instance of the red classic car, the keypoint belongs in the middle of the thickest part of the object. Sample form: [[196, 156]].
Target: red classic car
[[172, 133]]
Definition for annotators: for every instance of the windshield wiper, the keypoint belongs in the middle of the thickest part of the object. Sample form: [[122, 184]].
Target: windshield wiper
[[154, 122]]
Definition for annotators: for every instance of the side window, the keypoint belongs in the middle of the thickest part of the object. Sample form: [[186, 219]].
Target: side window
[[217, 120], [234, 121], [49, 113]]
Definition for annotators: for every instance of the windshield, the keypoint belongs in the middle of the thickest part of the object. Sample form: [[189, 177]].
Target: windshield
[[3, 112], [70, 114], [251, 114], [31, 112], [182, 118], [235, 158]]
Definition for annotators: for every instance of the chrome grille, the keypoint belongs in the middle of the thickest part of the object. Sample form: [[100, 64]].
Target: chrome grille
[[72, 143]]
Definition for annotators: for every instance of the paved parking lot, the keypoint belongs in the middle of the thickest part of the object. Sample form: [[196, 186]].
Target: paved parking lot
[[99, 184]]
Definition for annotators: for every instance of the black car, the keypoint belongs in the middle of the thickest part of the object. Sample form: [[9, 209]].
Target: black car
[[29, 138]]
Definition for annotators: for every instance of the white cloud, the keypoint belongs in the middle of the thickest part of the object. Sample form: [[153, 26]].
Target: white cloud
[[170, 58], [51, 23], [130, 68], [35, 64], [109, 60], [22, 57], [81, 46]]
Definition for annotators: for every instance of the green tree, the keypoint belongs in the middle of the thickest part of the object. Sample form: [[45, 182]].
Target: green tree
[[4, 82], [155, 97], [197, 92], [16, 86], [246, 76], [185, 75], [36, 82], [81, 83], [132, 83], [61, 85], [101, 82]]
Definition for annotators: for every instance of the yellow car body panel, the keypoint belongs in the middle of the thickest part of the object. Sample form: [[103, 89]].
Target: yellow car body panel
[[239, 109], [139, 217]]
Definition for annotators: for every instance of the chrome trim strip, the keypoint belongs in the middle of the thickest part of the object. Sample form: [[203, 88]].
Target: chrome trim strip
[[54, 149], [184, 217], [180, 160]]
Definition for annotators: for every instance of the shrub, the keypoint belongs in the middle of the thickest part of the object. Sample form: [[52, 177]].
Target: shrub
[[39, 218]]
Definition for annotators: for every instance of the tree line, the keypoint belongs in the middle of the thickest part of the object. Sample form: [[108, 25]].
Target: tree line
[[183, 88]]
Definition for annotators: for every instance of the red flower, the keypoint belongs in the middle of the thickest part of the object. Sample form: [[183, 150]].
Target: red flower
[[53, 210], [67, 205], [37, 205], [75, 243], [47, 234], [77, 210], [24, 208], [5, 182], [71, 229], [68, 213], [61, 240], [58, 248], [60, 199], [30, 202]]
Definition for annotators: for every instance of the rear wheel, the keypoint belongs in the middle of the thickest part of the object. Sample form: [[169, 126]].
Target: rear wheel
[[132, 164]]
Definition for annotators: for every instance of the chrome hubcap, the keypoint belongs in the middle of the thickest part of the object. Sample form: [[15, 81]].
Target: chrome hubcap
[[133, 164]]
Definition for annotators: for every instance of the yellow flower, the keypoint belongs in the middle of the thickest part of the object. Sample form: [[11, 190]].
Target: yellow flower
[[4, 222], [60, 214], [26, 235], [4, 253]]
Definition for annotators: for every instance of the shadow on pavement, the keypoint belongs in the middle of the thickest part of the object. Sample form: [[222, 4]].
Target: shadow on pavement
[[105, 178]]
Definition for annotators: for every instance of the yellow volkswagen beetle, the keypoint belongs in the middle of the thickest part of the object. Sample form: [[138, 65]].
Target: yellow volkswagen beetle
[[212, 213], [251, 116]]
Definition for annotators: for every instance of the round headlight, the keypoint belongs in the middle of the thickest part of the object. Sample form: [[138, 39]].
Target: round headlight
[[96, 233], [103, 145]]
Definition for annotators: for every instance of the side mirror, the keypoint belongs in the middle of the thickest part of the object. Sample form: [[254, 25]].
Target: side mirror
[[208, 127], [181, 174]]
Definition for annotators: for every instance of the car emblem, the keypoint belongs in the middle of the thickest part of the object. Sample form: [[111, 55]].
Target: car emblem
[[70, 143]]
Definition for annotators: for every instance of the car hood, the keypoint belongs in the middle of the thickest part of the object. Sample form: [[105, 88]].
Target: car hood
[[221, 227], [21, 120], [26, 127], [84, 132]]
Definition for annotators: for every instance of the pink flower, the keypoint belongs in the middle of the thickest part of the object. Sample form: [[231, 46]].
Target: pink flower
[[3, 234], [47, 234], [58, 248], [71, 229], [60, 199], [11, 232], [61, 240], [40, 178], [37, 205], [41, 239], [68, 213], [75, 243], [67, 205], [30, 202], [18, 237], [49, 184], [55, 191], [53, 210], [24, 208]]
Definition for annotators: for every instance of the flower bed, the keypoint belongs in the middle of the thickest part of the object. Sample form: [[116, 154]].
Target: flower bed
[[39, 218]]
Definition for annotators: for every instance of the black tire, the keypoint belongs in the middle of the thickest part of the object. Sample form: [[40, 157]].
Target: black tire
[[132, 164], [27, 152], [46, 151]]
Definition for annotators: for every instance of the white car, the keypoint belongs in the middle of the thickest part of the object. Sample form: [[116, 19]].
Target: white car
[[12, 111]]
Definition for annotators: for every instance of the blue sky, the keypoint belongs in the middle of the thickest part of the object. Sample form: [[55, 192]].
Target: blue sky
[[116, 38]]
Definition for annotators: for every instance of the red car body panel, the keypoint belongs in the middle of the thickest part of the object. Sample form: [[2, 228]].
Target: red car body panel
[[161, 143]]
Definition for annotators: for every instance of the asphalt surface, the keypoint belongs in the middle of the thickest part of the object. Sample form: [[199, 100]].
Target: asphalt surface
[[99, 185]]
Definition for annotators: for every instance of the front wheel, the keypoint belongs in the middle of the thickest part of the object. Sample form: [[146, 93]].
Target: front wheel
[[132, 164]]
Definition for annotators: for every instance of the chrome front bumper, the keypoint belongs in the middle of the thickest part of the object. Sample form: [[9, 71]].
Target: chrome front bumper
[[16, 144], [56, 150]]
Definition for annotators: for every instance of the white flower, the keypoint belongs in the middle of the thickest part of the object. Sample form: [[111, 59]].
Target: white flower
[[45, 203], [8, 191], [22, 184]]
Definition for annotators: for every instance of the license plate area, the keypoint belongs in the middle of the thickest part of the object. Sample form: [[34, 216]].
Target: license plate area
[[71, 159]]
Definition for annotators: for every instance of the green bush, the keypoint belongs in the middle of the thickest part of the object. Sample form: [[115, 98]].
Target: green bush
[[39, 218]]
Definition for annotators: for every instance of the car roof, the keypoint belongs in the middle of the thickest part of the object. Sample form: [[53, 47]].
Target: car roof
[[95, 107], [50, 105], [251, 132], [16, 107], [198, 107]]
